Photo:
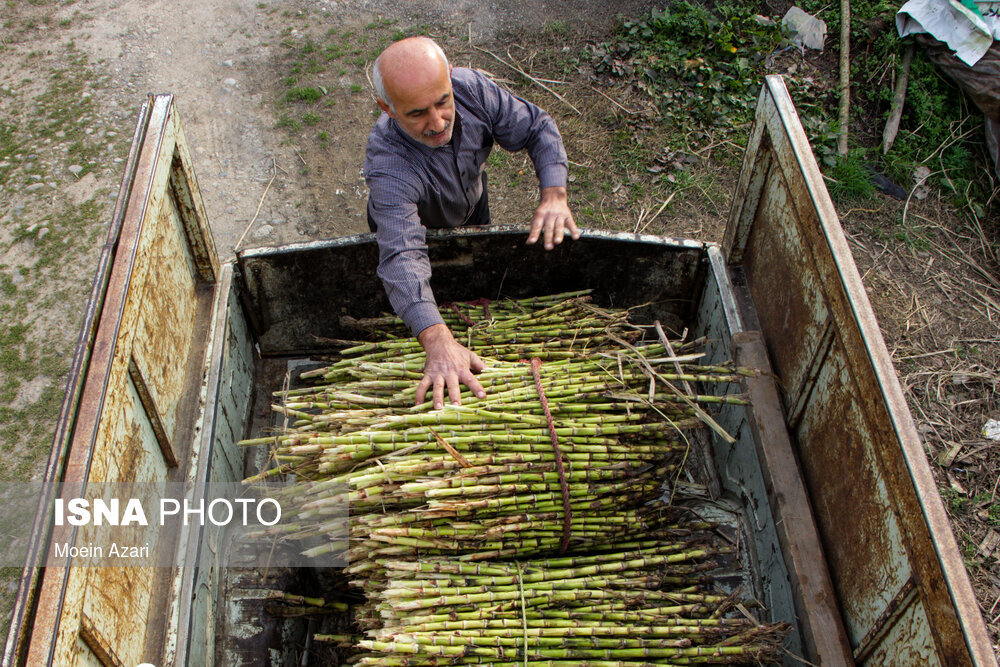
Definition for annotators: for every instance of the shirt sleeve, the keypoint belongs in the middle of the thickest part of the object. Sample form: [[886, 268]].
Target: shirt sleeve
[[404, 266], [519, 124]]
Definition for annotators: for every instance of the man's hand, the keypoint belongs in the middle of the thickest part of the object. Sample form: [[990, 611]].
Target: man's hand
[[553, 217], [449, 364]]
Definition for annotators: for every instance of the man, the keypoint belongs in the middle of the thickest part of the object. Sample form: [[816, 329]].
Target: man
[[424, 168]]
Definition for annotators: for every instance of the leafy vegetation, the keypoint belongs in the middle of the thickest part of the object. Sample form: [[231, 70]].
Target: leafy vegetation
[[848, 176], [699, 66], [702, 66], [304, 94], [939, 128], [51, 122]]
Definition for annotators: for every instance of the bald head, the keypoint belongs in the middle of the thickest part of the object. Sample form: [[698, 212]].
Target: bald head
[[413, 84], [407, 64]]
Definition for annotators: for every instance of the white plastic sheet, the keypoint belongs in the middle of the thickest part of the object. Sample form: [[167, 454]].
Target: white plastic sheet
[[969, 33], [806, 30]]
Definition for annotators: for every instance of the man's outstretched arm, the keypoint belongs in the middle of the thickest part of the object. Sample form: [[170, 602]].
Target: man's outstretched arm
[[449, 364], [518, 124]]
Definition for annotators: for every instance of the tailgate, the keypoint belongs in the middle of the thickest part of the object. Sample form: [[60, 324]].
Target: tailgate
[[132, 408], [901, 583]]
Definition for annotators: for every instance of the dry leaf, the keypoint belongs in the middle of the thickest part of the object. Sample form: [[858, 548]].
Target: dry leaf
[[922, 189], [989, 544]]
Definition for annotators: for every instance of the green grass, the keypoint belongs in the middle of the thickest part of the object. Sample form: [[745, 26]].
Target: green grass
[[498, 159], [556, 29], [994, 515], [61, 121], [289, 123], [17, 353], [915, 240], [304, 94], [956, 501], [850, 177], [939, 128]]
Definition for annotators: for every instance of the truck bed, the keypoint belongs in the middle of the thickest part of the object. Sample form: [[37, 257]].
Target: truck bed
[[852, 542]]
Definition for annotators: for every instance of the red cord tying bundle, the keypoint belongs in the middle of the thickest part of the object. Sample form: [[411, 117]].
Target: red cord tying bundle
[[536, 365], [485, 303]]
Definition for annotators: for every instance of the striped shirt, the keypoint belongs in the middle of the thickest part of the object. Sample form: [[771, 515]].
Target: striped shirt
[[413, 186]]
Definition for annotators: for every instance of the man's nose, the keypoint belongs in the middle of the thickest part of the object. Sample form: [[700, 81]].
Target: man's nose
[[438, 120]]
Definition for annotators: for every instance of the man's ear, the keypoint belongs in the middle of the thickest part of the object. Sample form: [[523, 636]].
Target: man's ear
[[385, 107]]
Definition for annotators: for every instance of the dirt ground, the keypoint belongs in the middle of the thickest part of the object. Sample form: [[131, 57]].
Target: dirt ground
[[222, 61], [76, 72]]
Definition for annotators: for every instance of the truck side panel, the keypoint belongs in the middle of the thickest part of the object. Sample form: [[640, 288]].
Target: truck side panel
[[759, 469], [230, 398], [138, 411], [883, 526]]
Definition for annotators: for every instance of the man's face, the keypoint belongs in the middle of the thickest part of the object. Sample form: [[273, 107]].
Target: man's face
[[424, 105]]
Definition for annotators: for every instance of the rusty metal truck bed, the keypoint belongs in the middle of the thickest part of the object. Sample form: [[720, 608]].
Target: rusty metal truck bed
[[850, 539]]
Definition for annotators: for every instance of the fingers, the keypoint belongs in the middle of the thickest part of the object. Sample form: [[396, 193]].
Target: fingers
[[474, 386], [437, 381], [537, 222], [448, 366], [453, 383], [439, 392], [552, 227], [555, 230], [573, 231], [454, 391], [425, 384], [476, 365]]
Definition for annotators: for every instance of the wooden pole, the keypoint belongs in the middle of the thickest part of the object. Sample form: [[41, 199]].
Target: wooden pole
[[898, 99], [844, 116]]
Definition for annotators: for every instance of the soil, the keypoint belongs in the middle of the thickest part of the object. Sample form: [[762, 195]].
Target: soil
[[272, 172], [222, 60]]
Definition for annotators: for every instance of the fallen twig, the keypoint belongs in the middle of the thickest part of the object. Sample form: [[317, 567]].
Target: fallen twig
[[642, 214], [274, 173], [530, 78], [658, 211], [614, 101]]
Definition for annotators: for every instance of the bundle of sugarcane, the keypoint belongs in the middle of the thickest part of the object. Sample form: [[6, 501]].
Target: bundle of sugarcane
[[484, 480], [568, 454], [358, 391], [652, 527], [290, 605], [625, 608], [502, 475]]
